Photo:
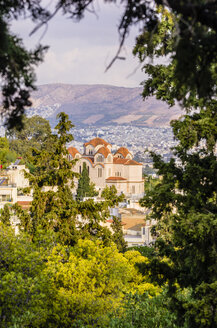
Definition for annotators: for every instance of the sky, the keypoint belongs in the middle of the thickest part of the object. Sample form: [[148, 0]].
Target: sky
[[80, 51]]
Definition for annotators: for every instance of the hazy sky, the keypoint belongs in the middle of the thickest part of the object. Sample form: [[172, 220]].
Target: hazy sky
[[80, 52]]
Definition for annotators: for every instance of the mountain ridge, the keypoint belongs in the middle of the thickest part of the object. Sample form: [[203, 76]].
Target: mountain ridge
[[101, 104]]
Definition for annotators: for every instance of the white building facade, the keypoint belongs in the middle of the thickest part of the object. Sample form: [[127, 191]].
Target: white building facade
[[107, 169], [11, 180]]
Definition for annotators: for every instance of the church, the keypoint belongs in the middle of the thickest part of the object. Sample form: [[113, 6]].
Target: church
[[106, 168]]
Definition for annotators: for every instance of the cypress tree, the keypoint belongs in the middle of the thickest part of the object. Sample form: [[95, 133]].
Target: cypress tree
[[83, 189]]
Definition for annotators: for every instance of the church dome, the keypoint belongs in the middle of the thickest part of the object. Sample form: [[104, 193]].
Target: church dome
[[104, 151], [123, 151], [73, 151], [97, 141]]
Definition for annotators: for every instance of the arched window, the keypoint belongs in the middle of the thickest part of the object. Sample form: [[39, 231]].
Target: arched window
[[109, 158], [100, 158]]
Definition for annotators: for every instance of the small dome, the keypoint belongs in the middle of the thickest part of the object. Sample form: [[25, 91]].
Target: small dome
[[104, 151], [97, 141], [123, 151], [73, 151]]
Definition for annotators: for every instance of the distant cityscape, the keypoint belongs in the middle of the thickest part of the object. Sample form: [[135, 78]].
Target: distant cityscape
[[136, 139]]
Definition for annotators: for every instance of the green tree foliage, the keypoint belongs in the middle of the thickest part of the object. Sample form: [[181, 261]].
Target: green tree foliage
[[184, 201], [90, 282], [52, 209], [93, 216], [83, 184], [149, 182], [6, 155], [112, 199], [141, 311], [36, 133], [189, 75], [5, 215], [146, 251], [25, 291], [43, 284], [110, 194], [85, 187], [17, 63], [118, 236]]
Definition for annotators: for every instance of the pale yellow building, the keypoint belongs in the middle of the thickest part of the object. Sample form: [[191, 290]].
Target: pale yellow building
[[11, 180], [107, 169]]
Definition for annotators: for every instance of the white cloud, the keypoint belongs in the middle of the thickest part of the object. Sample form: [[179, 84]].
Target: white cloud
[[87, 66], [80, 52]]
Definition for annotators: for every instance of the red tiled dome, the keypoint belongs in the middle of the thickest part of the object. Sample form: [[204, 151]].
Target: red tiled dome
[[73, 151], [97, 141], [123, 151], [104, 151]]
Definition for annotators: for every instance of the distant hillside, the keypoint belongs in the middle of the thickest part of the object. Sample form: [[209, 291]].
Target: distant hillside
[[101, 105]]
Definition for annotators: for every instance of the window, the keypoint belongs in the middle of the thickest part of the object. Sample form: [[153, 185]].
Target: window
[[88, 170], [133, 189], [100, 158], [90, 152], [100, 172], [109, 158], [143, 230], [118, 174], [5, 198], [80, 169], [109, 172]]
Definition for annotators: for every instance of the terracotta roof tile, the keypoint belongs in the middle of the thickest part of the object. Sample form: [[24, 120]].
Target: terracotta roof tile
[[133, 224], [104, 151], [24, 204], [73, 151], [125, 161], [115, 179], [123, 151], [132, 162], [97, 141], [117, 160]]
